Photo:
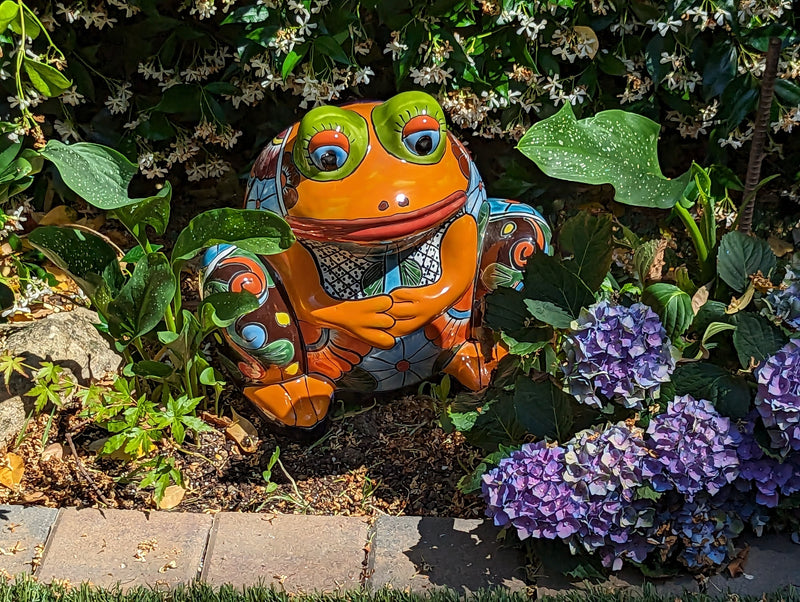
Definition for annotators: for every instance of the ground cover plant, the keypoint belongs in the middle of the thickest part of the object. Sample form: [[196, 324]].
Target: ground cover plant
[[647, 323]]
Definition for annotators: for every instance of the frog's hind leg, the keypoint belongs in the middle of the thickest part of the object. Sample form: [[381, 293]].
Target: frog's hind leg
[[514, 232], [267, 344]]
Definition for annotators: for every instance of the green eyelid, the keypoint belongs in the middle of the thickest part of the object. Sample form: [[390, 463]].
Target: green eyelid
[[350, 123], [395, 113]]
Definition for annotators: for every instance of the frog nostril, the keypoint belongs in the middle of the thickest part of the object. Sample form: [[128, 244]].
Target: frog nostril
[[383, 205], [402, 200]]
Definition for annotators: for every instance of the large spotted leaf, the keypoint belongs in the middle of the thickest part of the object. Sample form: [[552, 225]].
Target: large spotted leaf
[[613, 147]]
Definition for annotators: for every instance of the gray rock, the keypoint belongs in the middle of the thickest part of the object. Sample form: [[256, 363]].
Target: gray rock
[[68, 339], [12, 419]]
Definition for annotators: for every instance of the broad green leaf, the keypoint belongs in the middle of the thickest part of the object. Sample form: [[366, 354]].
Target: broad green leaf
[[646, 255], [548, 313], [153, 212], [144, 299], [329, 47], [756, 338], [506, 312], [720, 66], [703, 380], [588, 238], [788, 91], [613, 147], [295, 56], [6, 296], [220, 310], [257, 231], [497, 424], [88, 259], [548, 279], [741, 256], [8, 152], [46, 79], [152, 369], [32, 29], [543, 408], [9, 10], [99, 174], [672, 305]]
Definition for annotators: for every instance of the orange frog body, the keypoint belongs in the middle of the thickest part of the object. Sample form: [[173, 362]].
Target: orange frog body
[[396, 244]]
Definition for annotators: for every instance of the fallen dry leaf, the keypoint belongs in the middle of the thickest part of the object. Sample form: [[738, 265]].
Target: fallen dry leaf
[[735, 567], [170, 565], [59, 216], [588, 39], [33, 497], [739, 304], [12, 468], [779, 246], [173, 495], [699, 299], [54, 451], [243, 433]]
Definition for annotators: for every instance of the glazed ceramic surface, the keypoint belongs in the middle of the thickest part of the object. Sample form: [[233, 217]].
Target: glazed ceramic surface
[[396, 244]]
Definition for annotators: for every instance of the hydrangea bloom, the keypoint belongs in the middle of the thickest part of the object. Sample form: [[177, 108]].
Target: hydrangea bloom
[[605, 470], [705, 532], [778, 398], [770, 477], [528, 491], [695, 448], [621, 353], [786, 303]]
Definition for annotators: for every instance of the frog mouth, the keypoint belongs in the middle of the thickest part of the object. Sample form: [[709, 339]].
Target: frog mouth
[[379, 229]]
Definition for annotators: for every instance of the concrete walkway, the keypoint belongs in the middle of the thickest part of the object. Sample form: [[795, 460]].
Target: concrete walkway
[[298, 553]]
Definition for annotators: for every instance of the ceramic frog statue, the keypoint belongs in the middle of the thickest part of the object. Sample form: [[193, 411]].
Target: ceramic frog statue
[[396, 245]]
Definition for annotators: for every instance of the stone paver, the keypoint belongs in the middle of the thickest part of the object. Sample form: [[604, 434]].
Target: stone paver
[[131, 548], [295, 553], [423, 553], [22, 529]]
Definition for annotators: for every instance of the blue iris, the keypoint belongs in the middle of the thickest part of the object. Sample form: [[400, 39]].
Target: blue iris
[[416, 143], [334, 157]]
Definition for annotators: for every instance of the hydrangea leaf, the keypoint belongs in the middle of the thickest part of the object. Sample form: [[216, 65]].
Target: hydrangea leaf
[[702, 380], [506, 312], [756, 338], [547, 278], [613, 147], [672, 305], [740, 256], [588, 239], [543, 408], [548, 313]]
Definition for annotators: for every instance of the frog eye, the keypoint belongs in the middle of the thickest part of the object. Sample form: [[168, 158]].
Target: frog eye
[[328, 149], [421, 135]]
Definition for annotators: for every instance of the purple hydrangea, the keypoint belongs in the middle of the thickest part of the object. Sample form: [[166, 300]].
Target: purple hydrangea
[[704, 532], [527, 490], [619, 353], [694, 448], [778, 398], [786, 303], [606, 469], [770, 477]]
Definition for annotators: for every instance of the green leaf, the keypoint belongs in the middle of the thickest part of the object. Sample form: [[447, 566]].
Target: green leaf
[[497, 424], [222, 88], [613, 147], [787, 91], [99, 174], [257, 231], [543, 408], [87, 258], [295, 56], [220, 310], [548, 279], [153, 211], [32, 29], [329, 47], [183, 98], [720, 67], [588, 238], [703, 380], [46, 79], [143, 300], [672, 305], [548, 313], [645, 255], [741, 256], [9, 10], [151, 368], [757, 338], [6, 297]]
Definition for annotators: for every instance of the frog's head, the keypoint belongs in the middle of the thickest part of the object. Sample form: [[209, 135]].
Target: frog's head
[[367, 173]]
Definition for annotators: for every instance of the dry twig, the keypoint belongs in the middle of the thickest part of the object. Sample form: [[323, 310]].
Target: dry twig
[[85, 474]]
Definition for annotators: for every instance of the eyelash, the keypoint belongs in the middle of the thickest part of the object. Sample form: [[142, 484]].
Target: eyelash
[[322, 127], [403, 120]]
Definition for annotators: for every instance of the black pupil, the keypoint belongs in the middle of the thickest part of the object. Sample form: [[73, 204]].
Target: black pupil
[[424, 145], [329, 161]]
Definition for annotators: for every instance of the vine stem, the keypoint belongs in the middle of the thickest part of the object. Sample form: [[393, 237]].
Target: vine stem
[[759, 136], [694, 232]]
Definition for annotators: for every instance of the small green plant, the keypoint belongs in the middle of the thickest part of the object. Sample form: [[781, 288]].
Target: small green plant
[[267, 474]]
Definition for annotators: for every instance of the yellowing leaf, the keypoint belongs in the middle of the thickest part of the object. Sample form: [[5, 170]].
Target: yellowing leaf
[[779, 246], [59, 216], [243, 433], [588, 39], [173, 495], [12, 468]]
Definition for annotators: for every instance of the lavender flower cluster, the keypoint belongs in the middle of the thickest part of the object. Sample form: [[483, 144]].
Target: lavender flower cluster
[[778, 397], [586, 492], [620, 353], [694, 448], [786, 303], [770, 477]]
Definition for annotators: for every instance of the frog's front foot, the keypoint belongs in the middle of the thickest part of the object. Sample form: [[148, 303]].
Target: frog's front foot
[[302, 402], [471, 368]]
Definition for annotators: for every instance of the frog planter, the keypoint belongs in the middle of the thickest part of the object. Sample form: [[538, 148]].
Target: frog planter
[[396, 245]]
